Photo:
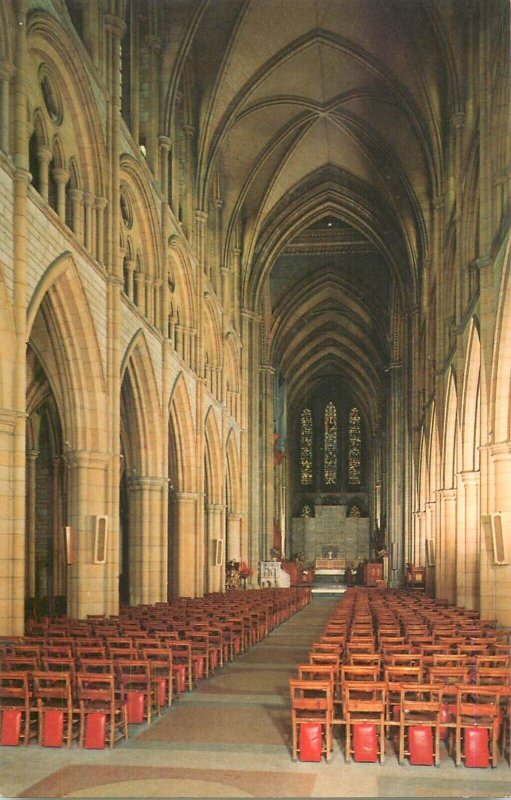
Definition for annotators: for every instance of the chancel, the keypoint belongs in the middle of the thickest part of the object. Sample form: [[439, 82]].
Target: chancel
[[255, 313]]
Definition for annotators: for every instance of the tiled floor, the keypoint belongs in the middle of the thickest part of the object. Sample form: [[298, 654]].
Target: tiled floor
[[231, 738]]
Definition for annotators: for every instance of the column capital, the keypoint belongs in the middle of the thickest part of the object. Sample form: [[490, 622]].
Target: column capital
[[76, 194], [249, 314], [101, 203], [60, 175], [114, 25], [470, 477], [7, 70], [44, 153], [458, 120], [483, 261], [165, 142], [88, 199]]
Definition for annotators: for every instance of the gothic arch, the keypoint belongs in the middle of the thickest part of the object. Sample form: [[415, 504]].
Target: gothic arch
[[470, 402], [181, 275], [61, 331], [182, 450], [450, 435], [49, 42], [142, 407], [214, 459], [233, 474], [145, 222], [500, 395]]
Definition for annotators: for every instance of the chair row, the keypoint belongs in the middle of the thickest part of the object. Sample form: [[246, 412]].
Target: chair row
[[370, 648]]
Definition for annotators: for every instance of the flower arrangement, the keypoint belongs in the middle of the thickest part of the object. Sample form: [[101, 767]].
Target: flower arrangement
[[245, 570]]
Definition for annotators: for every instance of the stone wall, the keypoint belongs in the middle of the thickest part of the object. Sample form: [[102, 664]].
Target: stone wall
[[331, 530]]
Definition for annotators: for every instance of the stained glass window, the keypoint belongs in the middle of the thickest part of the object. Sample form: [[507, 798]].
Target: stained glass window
[[330, 433], [306, 446], [354, 447]]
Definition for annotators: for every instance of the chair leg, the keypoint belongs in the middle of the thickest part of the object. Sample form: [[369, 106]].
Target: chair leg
[[347, 749], [457, 746]]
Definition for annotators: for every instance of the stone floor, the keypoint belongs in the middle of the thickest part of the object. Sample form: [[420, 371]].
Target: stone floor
[[231, 738]]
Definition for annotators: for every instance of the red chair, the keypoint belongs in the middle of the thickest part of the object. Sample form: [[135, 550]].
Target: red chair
[[134, 679], [311, 704], [420, 707], [96, 695], [55, 711], [17, 718], [477, 710]]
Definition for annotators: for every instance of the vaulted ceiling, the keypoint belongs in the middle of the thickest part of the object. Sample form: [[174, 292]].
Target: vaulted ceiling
[[324, 122]]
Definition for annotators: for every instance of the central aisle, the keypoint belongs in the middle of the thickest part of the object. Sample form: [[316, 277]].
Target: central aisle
[[231, 737]]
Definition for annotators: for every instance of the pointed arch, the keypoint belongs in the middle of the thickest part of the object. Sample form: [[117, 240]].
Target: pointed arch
[[182, 450], [500, 396], [233, 473], [470, 402], [433, 466], [140, 399], [214, 458], [62, 333], [422, 483], [450, 435], [181, 277]]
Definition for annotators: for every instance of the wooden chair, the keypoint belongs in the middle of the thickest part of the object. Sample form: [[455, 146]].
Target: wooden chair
[[160, 665], [419, 704], [394, 676], [477, 707], [134, 675], [15, 695], [312, 702], [404, 660], [96, 693], [365, 660], [53, 692], [364, 701]]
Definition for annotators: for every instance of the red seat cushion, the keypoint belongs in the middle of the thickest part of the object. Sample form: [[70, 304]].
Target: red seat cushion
[[365, 743], [310, 741]]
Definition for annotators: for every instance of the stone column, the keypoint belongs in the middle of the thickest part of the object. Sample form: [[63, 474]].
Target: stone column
[[87, 498], [61, 177], [216, 530], [267, 378], [114, 29], [31, 522], [165, 148], [250, 490], [182, 542], [146, 548], [500, 501], [448, 544], [468, 540], [76, 196], [233, 551], [129, 265], [140, 292], [396, 476], [13, 421], [44, 156], [101, 204], [149, 298], [6, 73], [88, 202]]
